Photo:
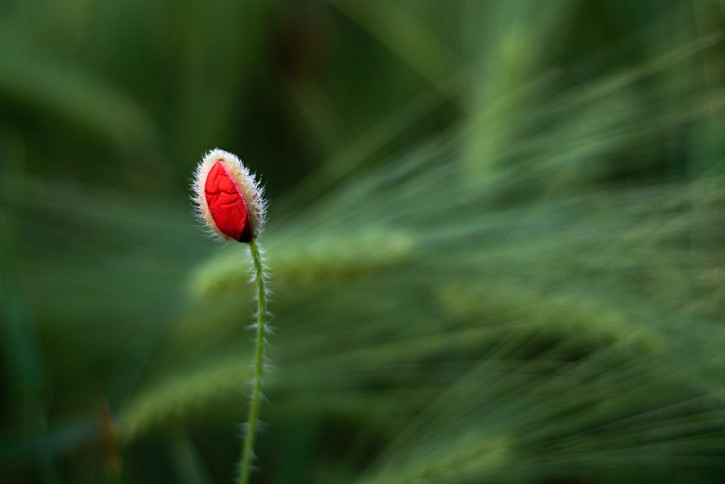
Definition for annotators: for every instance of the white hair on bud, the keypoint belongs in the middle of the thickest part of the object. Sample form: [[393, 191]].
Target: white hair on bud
[[252, 191]]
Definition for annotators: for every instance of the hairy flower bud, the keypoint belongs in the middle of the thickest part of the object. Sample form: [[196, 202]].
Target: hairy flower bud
[[228, 197]]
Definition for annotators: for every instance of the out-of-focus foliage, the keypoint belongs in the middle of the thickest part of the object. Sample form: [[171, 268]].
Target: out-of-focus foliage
[[496, 240]]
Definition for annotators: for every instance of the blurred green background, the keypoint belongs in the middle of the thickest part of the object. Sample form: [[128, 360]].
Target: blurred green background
[[495, 238]]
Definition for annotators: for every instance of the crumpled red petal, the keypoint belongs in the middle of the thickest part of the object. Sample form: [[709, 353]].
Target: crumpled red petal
[[226, 204]]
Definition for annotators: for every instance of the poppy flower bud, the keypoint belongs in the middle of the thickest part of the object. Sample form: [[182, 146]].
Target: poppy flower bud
[[228, 197]]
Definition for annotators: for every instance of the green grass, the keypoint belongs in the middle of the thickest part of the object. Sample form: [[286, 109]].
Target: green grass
[[495, 240]]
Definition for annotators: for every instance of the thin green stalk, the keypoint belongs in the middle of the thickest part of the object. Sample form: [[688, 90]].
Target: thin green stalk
[[256, 398]]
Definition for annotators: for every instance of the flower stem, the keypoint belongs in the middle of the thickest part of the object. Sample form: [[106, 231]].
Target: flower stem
[[256, 397]]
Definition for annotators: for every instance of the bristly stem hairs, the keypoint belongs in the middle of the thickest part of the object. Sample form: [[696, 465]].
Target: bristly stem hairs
[[230, 202]]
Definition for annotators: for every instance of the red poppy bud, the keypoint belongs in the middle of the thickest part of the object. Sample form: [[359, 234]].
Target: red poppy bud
[[228, 197]]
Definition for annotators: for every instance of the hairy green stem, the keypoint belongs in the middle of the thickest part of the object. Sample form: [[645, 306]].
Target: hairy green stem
[[256, 397]]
